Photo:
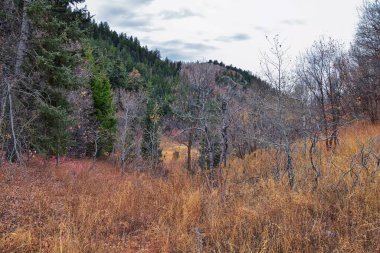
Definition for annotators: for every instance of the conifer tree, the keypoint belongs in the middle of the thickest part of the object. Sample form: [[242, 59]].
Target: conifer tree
[[104, 109], [53, 136]]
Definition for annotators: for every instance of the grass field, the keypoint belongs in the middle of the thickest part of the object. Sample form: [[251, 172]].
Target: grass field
[[70, 208]]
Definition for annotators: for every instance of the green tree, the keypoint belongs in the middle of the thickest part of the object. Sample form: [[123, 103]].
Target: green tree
[[104, 109], [53, 135], [47, 54]]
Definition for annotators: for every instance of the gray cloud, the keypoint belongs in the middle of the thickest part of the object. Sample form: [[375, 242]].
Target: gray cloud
[[262, 29], [175, 55], [121, 16], [265, 29], [140, 2], [187, 46], [180, 50], [185, 13], [235, 37], [130, 3], [293, 22], [109, 11]]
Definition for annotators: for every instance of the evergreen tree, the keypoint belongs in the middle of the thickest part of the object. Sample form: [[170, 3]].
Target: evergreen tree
[[104, 109], [58, 52], [52, 136], [47, 54]]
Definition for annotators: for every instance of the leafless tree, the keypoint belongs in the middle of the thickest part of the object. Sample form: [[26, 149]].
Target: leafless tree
[[193, 107], [322, 71], [365, 87], [227, 92], [128, 125], [275, 64]]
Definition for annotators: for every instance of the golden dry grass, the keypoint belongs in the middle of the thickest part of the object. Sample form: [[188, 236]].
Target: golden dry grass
[[72, 209], [170, 147]]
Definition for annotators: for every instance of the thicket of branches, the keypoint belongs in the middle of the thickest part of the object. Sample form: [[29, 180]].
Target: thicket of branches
[[329, 87]]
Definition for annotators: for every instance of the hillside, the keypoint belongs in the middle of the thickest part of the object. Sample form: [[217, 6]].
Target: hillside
[[106, 146]]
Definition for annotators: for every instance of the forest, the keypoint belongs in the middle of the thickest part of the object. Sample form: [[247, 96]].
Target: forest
[[106, 146]]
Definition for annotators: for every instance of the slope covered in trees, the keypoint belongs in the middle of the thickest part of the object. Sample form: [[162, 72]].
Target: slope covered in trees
[[66, 81], [64, 60], [246, 78], [258, 152]]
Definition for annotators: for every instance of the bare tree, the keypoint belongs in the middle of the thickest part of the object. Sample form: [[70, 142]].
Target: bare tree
[[226, 94], [365, 87], [194, 108], [128, 125], [321, 70], [275, 64]]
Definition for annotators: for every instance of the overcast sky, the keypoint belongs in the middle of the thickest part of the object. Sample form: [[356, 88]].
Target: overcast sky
[[232, 31]]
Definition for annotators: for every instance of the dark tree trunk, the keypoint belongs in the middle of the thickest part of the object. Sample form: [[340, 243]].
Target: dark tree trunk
[[189, 147]]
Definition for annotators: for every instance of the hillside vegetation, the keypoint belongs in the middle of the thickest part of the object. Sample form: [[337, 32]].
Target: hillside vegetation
[[107, 146], [74, 209]]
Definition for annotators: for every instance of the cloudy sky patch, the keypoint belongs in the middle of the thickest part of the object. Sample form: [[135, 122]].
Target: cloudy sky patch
[[234, 38], [179, 50], [293, 22], [180, 14], [230, 31]]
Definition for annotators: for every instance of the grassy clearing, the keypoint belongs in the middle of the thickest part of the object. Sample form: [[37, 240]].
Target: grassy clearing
[[72, 209]]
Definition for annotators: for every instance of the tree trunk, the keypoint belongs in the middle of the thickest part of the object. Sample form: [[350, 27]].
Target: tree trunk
[[14, 153], [225, 146], [224, 135], [95, 151], [211, 157], [123, 165], [20, 55], [3, 98], [304, 136], [289, 165], [209, 149], [22, 44], [189, 146], [325, 125], [57, 160], [311, 154]]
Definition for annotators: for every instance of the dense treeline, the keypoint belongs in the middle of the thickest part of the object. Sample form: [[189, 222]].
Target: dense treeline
[[81, 64], [128, 49], [36, 73], [63, 82]]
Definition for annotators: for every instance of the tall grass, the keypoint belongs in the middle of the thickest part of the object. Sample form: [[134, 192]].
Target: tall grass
[[72, 209]]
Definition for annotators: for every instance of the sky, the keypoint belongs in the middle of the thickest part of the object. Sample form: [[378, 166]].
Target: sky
[[232, 31]]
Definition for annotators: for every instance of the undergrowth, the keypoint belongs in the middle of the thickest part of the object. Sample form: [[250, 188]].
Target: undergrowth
[[252, 209]]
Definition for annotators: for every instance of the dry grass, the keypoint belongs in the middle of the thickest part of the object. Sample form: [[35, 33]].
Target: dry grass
[[71, 209], [174, 152]]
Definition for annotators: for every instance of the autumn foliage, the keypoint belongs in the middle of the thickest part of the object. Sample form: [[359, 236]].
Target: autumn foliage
[[74, 209]]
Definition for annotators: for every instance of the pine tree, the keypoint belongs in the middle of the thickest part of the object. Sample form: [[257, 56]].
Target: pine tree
[[104, 109], [52, 136]]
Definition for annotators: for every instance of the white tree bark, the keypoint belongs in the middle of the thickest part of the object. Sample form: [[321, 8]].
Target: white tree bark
[[18, 72], [23, 39]]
